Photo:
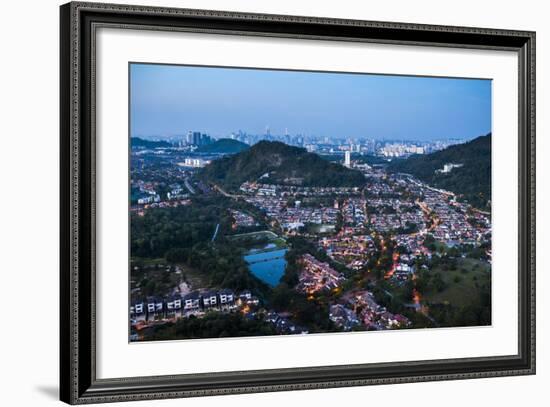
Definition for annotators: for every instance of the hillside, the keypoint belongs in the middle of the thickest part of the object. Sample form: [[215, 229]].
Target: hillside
[[223, 146], [137, 142], [283, 164], [472, 181]]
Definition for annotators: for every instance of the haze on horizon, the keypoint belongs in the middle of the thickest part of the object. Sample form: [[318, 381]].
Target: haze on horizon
[[170, 100]]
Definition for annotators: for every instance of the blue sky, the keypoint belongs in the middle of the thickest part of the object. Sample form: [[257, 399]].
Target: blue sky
[[171, 100]]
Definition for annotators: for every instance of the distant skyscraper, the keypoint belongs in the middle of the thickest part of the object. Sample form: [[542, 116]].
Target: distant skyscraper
[[196, 138], [205, 139], [347, 158]]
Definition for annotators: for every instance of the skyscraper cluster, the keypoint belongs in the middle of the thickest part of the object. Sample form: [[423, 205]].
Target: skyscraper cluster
[[196, 138]]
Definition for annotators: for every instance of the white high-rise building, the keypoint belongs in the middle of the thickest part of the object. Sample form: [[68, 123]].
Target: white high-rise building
[[347, 158]]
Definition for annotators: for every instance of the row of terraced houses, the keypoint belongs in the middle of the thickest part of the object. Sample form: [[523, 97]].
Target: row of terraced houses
[[181, 305]]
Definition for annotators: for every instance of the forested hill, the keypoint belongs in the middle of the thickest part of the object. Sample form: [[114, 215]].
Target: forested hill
[[223, 146], [140, 142], [283, 164], [472, 181]]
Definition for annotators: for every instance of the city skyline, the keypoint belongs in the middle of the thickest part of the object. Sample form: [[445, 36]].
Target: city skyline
[[169, 100]]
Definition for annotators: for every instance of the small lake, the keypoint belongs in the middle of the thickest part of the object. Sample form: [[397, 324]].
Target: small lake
[[268, 265]]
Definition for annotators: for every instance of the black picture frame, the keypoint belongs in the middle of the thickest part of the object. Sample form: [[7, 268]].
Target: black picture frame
[[78, 382]]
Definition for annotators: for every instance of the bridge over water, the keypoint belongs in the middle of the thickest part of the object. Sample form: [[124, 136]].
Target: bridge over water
[[265, 255]]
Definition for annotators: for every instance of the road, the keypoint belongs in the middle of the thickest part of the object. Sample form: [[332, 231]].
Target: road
[[482, 212], [216, 232], [188, 186], [226, 194]]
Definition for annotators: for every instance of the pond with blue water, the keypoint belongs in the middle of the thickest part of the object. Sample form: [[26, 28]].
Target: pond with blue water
[[267, 264]]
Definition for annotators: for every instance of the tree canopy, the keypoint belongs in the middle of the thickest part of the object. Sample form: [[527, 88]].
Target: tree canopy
[[283, 164]]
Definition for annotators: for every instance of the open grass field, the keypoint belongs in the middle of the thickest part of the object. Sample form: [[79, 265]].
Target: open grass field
[[262, 234], [260, 237], [461, 283]]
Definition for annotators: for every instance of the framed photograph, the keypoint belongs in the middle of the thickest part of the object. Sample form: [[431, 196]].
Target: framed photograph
[[255, 203]]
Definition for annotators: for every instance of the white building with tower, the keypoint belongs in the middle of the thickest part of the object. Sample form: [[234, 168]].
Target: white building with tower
[[347, 159]]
